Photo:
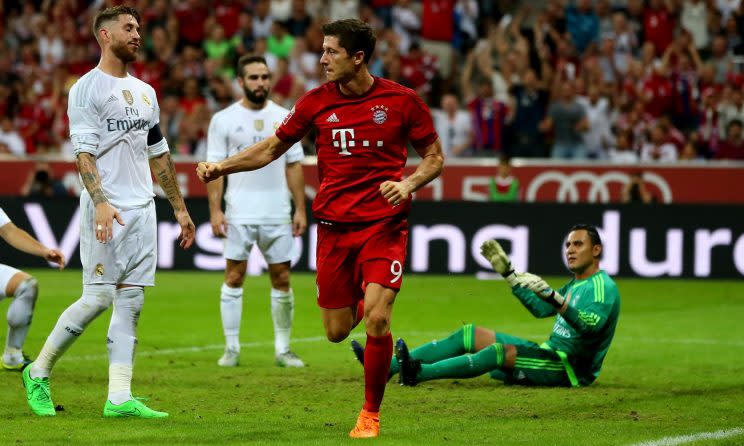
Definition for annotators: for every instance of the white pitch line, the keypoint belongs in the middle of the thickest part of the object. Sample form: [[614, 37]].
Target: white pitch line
[[673, 441], [434, 335], [202, 348]]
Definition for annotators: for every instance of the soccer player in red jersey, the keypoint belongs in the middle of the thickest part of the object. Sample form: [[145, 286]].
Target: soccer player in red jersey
[[362, 124]]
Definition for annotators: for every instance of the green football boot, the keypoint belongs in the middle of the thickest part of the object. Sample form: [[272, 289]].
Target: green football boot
[[132, 408], [38, 395]]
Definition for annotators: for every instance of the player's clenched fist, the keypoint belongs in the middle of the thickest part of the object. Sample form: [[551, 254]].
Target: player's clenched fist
[[395, 192], [208, 171]]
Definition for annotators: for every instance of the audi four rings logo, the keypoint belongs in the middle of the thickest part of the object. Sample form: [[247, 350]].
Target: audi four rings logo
[[599, 190]]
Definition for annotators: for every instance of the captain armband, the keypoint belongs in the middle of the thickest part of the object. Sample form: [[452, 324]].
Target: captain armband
[[156, 143], [84, 143]]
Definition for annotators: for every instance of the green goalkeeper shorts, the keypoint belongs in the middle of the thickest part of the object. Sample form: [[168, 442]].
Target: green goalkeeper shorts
[[535, 366]]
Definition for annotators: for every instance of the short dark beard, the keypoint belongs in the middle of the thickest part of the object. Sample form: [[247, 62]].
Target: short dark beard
[[252, 97], [123, 53]]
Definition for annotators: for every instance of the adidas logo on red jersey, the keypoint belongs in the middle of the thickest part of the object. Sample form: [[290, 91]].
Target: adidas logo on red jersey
[[332, 118]]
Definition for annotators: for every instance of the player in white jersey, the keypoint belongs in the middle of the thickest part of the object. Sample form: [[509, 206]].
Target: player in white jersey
[[257, 209], [118, 143], [23, 287]]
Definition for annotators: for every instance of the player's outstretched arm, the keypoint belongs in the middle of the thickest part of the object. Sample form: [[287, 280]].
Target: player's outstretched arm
[[495, 254], [165, 172], [105, 213], [396, 192], [22, 241], [252, 158]]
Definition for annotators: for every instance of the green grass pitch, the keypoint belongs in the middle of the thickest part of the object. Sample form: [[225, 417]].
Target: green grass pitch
[[674, 369]]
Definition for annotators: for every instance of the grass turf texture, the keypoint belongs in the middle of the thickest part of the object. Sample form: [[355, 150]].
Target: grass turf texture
[[675, 368]]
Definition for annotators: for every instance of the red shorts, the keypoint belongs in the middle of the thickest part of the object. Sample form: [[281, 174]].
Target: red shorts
[[348, 257]]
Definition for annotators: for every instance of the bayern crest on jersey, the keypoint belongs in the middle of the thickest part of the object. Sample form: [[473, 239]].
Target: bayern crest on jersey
[[379, 114]]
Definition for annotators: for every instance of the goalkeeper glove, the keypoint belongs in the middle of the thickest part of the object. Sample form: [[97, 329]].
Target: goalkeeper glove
[[494, 253], [539, 286]]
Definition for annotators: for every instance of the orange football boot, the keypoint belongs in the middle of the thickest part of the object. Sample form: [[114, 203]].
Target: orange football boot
[[367, 425]]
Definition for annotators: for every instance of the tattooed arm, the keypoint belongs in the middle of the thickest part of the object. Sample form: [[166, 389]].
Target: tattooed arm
[[165, 172], [105, 213]]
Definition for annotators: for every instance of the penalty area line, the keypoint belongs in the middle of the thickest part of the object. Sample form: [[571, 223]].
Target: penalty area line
[[682, 439]]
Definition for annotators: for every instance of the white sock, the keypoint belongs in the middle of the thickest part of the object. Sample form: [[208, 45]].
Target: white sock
[[282, 312], [70, 325], [20, 313], [231, 309], [121, 341]]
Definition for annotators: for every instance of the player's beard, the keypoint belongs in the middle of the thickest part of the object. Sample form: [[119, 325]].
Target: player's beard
[[256, 98], [122, 51]]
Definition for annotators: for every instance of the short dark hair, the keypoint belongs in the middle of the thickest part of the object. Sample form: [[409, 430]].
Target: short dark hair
[[353, 35], [591, 230], [110, 14], [248, 59], [734, 122]]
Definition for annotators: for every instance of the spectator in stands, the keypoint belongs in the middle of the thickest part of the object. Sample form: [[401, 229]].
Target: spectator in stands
[[598, 137], [658, 149], [406, 24], [453, 125], [299, 20], [437, 32], [262, 19], [504, 186], [41, 183], [280, 42], [733, 147], [244, 40], [721, 59], [342, 9], [659, 24], [11, 139], [731, 108], [568, 121], [528, 104], [694, 18], [582, 23], [218, 50], [488, 117], [623, 152], [635, 190]]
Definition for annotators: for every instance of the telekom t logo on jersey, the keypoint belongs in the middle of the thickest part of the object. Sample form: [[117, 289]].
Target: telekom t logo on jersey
[[346, 139]]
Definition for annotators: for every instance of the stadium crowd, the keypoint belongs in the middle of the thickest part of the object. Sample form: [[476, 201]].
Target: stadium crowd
[[620, 81]]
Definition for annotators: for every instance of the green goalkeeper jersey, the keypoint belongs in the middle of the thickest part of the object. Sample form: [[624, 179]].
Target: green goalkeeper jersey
[[583, 333]]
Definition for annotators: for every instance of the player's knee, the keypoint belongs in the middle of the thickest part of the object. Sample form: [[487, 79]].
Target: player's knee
[[234, 279], [280, 279], [27, 290], [336, 334], [377, 321], [97, 298], [20, 312]]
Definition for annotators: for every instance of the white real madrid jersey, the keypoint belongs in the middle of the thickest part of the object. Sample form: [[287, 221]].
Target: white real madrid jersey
[[260, 196], [4, 219], [110, 118]]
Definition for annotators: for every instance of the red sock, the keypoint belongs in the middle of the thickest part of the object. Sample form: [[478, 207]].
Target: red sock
[[359, 313], [377, 355]]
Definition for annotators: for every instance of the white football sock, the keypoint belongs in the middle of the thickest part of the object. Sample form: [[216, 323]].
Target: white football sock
[[121, 341], [231, 309], [282, 312], [70, 325], [20, 313]]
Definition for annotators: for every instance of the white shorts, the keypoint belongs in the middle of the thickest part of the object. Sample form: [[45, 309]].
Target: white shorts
[[129, 258], [275, 242], [6, 273]]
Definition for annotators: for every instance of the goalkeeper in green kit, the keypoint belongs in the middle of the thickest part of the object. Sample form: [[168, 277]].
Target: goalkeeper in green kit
[[585, 309]]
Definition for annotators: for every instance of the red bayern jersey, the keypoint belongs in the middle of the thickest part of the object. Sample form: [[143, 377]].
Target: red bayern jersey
[[361, 142]]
